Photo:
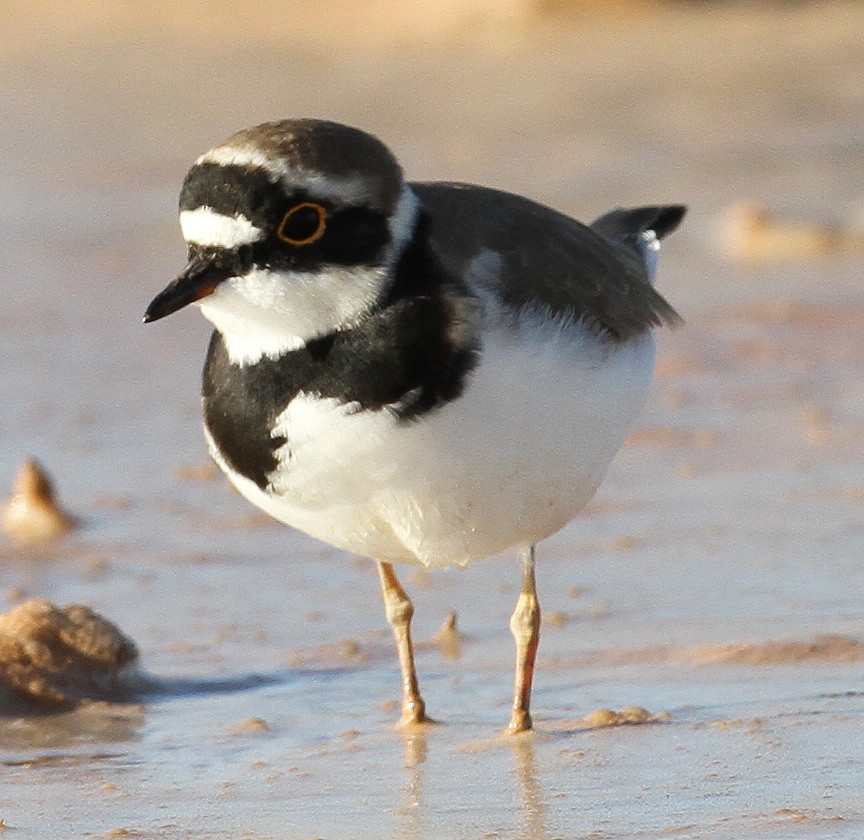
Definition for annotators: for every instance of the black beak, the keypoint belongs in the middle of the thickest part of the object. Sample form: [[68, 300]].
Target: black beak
[[200, 277]]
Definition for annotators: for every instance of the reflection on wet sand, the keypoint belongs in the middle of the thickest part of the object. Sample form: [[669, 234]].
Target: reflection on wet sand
[[529, 792], [415, 748], [531, 795], [93, 723]]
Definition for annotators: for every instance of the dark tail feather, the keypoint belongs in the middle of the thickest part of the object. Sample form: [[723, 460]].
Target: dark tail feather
[[625, 224]]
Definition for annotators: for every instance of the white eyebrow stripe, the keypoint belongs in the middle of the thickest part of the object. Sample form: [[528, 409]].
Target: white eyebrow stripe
[[350, 189], [204, 226], [252, 158]]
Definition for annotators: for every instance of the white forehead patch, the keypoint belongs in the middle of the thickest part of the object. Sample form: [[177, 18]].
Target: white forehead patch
[[204, 226]]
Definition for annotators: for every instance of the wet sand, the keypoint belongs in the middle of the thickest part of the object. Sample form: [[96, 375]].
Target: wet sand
[[716, 580]]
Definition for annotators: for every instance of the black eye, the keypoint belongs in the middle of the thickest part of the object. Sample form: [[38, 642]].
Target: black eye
[[303, 224]]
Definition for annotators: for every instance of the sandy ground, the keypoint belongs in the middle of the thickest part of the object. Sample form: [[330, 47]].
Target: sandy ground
[[716, 579]]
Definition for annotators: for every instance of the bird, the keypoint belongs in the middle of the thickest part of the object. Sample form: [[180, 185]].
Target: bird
[[426, 373]]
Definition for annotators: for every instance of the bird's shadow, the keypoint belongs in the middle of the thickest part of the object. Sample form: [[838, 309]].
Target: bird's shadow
[[149, 687], [144, 687]]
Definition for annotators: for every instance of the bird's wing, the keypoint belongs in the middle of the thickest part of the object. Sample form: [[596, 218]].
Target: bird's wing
[[542, 258]]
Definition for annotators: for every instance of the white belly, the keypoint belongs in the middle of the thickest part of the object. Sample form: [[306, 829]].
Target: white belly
[[508, 463]]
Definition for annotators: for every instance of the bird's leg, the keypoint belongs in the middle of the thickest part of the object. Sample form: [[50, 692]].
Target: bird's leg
[[525, 627], [399, 611]]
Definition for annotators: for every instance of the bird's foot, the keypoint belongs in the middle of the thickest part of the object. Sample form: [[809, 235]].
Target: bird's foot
[[520, 721], [414, 715]]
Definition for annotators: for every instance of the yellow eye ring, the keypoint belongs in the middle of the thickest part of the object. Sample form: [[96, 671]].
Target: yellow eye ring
[[300, 227]]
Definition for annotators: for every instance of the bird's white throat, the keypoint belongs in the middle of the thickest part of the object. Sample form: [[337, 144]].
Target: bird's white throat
[[265, 313], [268, 313]]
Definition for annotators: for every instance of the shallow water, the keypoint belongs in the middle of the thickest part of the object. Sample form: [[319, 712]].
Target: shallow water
[[734, 514]]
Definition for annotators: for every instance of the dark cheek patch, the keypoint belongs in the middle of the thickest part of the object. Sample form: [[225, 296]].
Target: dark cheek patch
[[353, 236]]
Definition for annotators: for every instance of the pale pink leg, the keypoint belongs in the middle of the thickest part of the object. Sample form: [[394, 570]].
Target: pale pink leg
[[399, 611], [525, 627]]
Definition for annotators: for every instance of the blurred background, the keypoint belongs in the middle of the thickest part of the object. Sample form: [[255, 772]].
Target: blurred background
[[583, 105], [733, 516]]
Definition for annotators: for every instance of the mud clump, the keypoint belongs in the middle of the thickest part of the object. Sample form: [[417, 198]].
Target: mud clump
[[606, 718], [31, 513], [628, 716], [59, 658]]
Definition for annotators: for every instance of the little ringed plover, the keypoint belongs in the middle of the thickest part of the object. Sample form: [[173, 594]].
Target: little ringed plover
[[422, 373]]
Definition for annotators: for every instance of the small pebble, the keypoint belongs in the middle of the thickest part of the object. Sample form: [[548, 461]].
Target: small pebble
[[555, 618], [205, 471], [752, 235], [448, 639], [31, 513], [251, 725]]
